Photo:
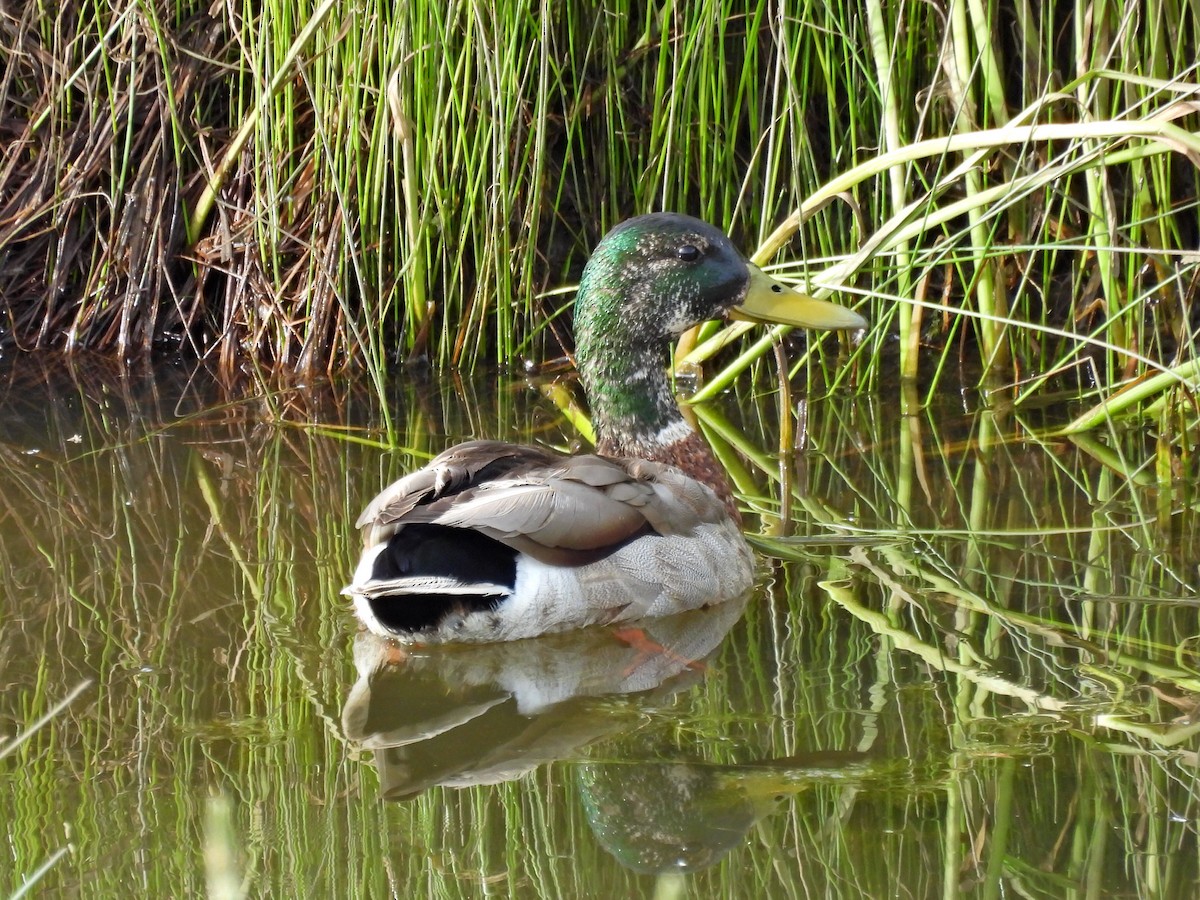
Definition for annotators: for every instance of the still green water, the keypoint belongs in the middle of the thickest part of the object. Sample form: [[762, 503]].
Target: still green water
[[975, 676]]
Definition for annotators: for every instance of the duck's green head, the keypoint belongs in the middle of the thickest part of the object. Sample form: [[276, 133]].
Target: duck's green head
[[648, 281], [655, 276]]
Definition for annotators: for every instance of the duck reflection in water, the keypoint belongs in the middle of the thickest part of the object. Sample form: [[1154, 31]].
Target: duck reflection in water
[[464, 715]]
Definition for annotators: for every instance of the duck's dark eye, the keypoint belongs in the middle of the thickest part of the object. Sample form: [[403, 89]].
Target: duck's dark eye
[[688, 253]]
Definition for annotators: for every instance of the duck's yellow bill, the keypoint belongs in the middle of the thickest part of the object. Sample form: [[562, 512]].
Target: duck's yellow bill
[[768, 300]]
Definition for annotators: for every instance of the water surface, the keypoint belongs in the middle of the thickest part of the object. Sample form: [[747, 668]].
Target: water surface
[[969, 668]]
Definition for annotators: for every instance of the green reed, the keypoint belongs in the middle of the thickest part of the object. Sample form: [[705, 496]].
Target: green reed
[[314, 186]]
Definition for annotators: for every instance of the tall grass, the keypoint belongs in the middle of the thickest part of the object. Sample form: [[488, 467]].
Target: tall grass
[[1013, 188]]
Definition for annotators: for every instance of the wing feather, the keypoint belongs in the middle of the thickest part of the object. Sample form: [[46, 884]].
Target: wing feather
[[550, 506]]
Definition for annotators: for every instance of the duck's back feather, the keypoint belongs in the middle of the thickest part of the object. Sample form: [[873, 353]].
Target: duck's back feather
[[495, 541]]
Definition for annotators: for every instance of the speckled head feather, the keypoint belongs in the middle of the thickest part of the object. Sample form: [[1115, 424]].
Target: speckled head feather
[[650, 279], [655, 276]]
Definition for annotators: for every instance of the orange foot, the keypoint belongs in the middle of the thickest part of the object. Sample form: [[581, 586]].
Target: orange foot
[[648, 648]]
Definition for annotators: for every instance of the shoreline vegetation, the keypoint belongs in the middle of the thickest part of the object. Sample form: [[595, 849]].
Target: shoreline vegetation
[[298, 187]]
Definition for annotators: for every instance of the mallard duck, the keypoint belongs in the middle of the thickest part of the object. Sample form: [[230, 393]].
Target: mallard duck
[[494, 541]]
